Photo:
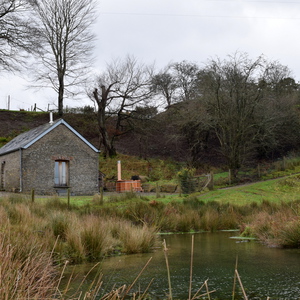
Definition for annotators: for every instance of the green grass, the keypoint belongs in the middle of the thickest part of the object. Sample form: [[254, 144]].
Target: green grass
[[271, 190], [257, 192], [276, 190]]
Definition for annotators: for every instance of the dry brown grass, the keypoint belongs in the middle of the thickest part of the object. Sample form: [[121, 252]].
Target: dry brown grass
[[25, 273]]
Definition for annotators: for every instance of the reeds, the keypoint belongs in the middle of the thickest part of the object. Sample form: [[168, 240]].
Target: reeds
[[95, 238], [82, 236], [275, 225], [137, 240], [27, 276], [205, 294]]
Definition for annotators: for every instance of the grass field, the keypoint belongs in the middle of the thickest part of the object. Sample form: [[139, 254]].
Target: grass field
[[271, 190], [275, 190]]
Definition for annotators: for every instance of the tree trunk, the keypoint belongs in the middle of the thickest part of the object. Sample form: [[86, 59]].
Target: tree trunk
[[109, 148], [61, 96]]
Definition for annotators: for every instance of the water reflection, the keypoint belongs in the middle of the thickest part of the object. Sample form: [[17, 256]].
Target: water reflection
[[264, 271]]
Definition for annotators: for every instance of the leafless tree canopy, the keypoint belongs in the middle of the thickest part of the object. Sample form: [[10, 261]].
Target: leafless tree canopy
[[177, 82], [165, 84], [18, 34], [124, 85], [66, 33]]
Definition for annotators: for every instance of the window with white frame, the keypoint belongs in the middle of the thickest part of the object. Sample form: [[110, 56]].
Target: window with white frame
[[61, 173]]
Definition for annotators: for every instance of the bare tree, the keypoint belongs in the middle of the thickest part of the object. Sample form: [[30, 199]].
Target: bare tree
[[186, 74], [177, 82], [243, 113], [66, 33], [165, 84], [19, 36], [120, 89]]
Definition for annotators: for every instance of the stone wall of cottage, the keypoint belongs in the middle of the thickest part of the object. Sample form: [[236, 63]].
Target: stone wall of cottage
[[60, 144], [10, 172]]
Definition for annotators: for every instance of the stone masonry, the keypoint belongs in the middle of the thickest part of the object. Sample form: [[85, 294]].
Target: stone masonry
[[38, 160]]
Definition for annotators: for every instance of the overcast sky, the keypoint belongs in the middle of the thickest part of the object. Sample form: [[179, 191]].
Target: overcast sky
[[164, 31]]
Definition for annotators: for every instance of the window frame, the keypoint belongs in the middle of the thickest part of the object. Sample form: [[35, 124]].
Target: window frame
[[61, 173]]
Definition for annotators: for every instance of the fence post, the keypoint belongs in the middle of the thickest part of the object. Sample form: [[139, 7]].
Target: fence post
[[32, 195], [211, 181], [157, 190], [101, 195], [229, 176], [68, 197]]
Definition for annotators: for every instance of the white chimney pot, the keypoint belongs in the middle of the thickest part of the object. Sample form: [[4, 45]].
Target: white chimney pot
[[51, 118]]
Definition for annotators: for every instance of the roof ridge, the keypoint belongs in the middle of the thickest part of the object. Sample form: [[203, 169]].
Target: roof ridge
[[26, 139]]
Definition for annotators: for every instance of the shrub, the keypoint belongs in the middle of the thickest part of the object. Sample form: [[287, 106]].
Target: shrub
[[186, 180]]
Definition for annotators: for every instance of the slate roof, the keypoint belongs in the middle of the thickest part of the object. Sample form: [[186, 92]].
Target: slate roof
[[26, 139]]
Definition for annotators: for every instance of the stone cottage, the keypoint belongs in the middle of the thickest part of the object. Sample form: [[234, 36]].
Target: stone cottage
[[50, 159]]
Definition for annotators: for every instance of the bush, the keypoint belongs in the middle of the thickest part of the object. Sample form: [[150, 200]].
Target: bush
[[186, 180]]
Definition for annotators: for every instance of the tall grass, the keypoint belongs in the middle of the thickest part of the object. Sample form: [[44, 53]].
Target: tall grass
[[96, 238], [76, 235], [135, 240], [275, 225], [130, 226], [25, 273]]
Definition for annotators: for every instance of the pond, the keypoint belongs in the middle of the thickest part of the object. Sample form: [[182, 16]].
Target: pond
[[265, 272]]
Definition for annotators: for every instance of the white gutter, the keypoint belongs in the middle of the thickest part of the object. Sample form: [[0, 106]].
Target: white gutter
[[21, 171]]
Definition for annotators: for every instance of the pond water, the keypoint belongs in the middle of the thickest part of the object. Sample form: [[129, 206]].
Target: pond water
[[265, 272]]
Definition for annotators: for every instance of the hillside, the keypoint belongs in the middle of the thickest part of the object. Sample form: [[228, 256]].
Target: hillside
[[12, 123], [160, 137], [137, 141]]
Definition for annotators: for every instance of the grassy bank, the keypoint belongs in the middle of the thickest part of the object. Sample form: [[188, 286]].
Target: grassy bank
[[267, 210], [274, 202], [37, 237]]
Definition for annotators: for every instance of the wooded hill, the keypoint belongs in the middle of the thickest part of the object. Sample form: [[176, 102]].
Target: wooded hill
[[171, 134]]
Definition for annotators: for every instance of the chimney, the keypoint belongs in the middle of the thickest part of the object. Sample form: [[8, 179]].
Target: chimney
[[51, 118], [119, 170]]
